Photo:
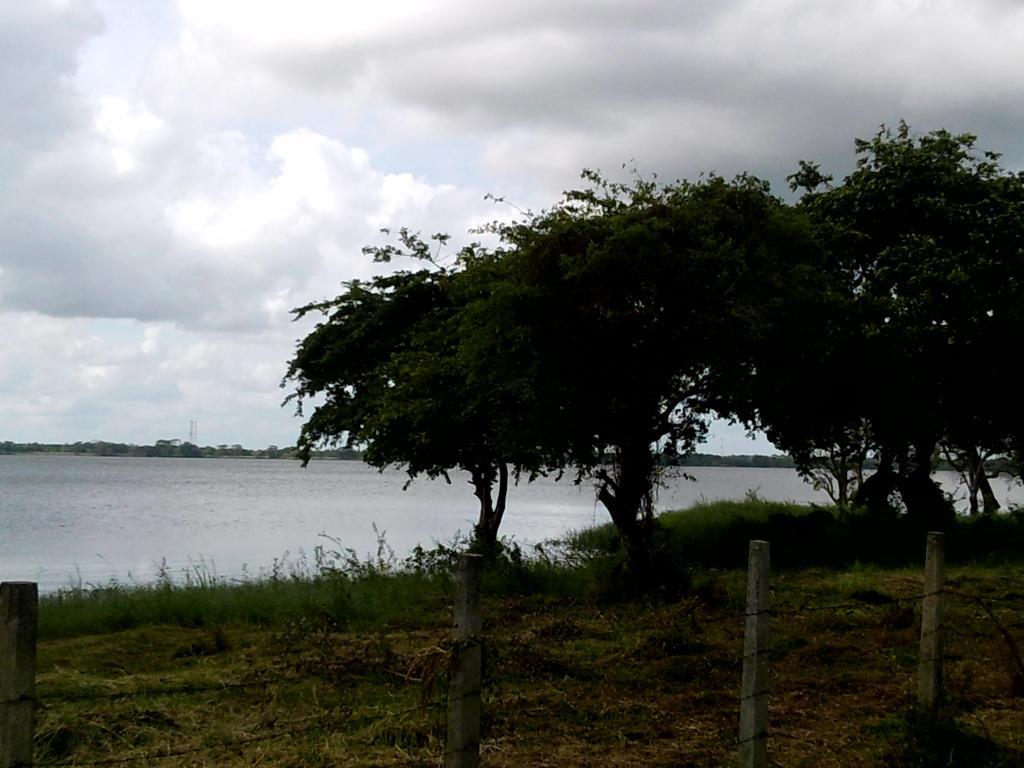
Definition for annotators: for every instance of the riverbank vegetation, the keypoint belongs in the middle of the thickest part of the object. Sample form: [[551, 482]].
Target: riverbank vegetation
[[341, 660], [363, 592]]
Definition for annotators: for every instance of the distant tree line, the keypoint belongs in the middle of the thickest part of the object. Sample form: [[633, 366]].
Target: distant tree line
[[748, 461], [176, 449], [872, 323]]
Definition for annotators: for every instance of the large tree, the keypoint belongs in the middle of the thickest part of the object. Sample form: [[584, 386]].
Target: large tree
[[632, 296], [925, 240], [392, 369]]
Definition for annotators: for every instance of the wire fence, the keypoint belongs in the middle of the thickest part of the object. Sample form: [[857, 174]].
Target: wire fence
[[1013, 606], [437, 662], [999, 611]]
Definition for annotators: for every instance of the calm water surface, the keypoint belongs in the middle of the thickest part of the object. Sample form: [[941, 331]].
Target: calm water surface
[[78, 519]]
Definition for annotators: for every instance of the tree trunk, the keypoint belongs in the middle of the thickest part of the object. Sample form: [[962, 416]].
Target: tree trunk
[[990, 504], [842, 475], [924, 499], [972, 493], [873, 494], [485, 532], [627, 495], [970, 463], [972, 469]]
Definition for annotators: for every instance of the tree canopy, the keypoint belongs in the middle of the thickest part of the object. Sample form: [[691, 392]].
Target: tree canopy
[[600, 335], [393, 369], [633, 296], [924, 247]]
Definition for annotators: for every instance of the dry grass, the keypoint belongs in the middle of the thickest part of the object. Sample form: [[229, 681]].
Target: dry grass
[[568, 683]]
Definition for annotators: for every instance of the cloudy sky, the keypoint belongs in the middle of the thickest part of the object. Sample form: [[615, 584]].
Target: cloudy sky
[[174, 177]]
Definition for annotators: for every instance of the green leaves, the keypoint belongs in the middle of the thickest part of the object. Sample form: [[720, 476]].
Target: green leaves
[[926, 249], [618, 321], [410, 245]]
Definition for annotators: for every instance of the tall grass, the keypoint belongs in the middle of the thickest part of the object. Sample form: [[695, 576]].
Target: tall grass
[[339, 588], [716, 534], [336, 587]]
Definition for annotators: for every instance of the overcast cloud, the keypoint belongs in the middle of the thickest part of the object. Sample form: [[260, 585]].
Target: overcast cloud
[[175, 178]]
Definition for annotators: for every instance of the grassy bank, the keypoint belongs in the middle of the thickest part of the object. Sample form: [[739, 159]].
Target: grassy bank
[[344, 664], [372, 593], [805, 535]]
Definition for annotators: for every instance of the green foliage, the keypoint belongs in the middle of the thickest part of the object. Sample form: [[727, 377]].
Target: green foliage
[[925, 271], [716, 534], [630, 297], [593, 338], [395, 370], [601, 334], [336, 586]]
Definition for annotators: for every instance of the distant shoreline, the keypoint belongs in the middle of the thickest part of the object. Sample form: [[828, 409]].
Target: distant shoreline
[[167, 449], [177, 449]]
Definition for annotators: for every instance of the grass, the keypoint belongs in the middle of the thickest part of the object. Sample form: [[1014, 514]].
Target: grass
[[715, 534], [569, 682], [366, 603], [344, 662]]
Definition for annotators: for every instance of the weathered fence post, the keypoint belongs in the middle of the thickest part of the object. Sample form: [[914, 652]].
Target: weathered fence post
[[754, 693], [462, 747], [929, 683], [19, 618]]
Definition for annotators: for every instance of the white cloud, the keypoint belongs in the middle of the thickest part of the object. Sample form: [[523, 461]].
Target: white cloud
[[150, 344], [129, 220], [68, 379], [129, 129], [176, 178]]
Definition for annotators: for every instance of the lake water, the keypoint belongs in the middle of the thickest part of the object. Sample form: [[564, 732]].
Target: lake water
[[79, 519]]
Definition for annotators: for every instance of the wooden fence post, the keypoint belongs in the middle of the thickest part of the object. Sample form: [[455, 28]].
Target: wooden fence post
[[929, 682], [19, 619], [462, 746], [754, 693]]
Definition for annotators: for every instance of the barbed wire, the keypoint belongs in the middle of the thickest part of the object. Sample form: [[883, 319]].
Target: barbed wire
[[1011, 644], [418, 673], [1012, 581], [987, 598], [882, 601]]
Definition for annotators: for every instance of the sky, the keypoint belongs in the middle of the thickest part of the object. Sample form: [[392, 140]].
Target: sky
[[175, 177]]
